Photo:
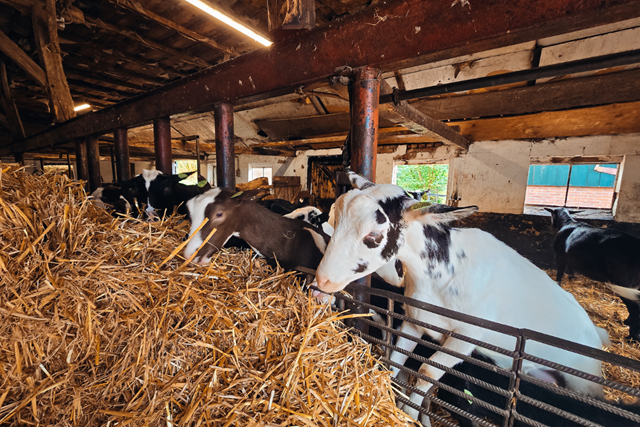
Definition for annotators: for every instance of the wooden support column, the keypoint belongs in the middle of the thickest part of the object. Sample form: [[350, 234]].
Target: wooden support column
[[82, 160], [364, 96], [162, 143], [45, 31], [93, 157], [9, 106], [365, 93], [123, 168], [225, 155]]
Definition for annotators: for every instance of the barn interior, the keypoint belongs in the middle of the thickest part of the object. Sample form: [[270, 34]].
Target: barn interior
[[491, 89]]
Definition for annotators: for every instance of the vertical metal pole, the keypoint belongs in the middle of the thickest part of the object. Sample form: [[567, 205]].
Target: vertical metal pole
[[225, 152], [514, 383], [365, 93], [69, 167], [364, 96], [93, 155], [162, 143], [82, 161], [113, 165], [123, 167], [198, 156]]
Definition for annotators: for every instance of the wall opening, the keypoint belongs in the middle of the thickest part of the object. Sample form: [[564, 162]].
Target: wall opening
[[431, 178], [259, 171], [586, 186], [183, 166]]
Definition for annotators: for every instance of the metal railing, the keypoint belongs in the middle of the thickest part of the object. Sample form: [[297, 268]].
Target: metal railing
[[510, 395]]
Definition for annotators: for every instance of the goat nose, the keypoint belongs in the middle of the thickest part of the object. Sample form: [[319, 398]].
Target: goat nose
[[321, 281]]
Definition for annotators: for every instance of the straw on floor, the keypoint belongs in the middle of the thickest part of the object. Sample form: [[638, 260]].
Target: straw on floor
[[103, 323]]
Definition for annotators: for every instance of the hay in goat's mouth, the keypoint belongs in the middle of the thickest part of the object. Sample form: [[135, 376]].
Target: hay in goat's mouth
[[97, 330]]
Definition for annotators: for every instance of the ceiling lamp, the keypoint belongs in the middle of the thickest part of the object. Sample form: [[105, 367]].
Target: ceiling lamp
[[230, 22], [82, 107]]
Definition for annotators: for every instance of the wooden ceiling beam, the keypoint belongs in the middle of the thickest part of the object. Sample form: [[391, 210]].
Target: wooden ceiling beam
[[358, 40], [136, 7], [102, 81], [33, 70], [588, 91], [77, 62], [132, 35], [96, 51], [413, 119], [9, 106], [45, 31]]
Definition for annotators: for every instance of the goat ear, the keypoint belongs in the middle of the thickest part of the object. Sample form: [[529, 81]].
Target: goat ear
[[550, 210], [574, 211], [435, 214], [359, 182], [246, 195]]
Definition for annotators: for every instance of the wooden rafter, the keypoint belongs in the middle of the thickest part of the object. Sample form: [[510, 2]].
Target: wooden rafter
[[46, 34], [9, 106], [78, 62], [136, 7], [411, 118], [132, 35], [33, 70]]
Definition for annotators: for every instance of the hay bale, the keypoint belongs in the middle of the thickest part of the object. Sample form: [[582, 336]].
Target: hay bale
[[104, 323]]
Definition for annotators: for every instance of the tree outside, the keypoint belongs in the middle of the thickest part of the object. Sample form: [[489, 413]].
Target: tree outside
[[183, 166], [424, 177]]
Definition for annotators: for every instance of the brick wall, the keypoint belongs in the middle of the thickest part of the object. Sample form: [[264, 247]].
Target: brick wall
[[579, 197]]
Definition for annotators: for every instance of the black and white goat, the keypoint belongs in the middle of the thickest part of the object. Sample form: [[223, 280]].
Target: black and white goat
[[288, 241], [165, 193], [466, 270], [601, 254]]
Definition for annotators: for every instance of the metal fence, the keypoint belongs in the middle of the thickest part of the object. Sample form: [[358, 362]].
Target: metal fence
[[508, 412]]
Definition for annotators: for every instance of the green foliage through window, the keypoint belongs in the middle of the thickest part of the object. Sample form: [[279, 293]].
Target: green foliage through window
[[424, 177], [187, 166]]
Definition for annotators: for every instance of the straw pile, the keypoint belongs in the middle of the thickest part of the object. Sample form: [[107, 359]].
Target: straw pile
[[607, 311], [102, 323]]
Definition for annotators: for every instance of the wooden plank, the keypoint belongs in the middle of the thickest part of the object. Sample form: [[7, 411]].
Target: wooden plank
[[136, 7], [358, 40], [581, 92], [301, 14], [575, 159], [46, 34], [33, 70], [603, 120], [304, 127], [9, 106], [132, 35], [403, 114]]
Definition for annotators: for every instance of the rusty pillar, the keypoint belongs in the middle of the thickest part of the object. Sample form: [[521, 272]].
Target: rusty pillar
[[162, 143], [82, 161], [123, 168], [364, 95], [93, 156], [225, 163]]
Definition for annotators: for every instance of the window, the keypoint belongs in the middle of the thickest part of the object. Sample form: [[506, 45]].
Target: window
[[183, 166], [259, 171], [430, 178], [584, 186]]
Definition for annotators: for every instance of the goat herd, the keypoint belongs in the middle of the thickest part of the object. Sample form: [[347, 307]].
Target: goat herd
[[409, 243]]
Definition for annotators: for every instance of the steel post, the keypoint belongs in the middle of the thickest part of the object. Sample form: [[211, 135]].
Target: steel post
[[365, 93], [225, 163], [93, 157], [162, 143], [82, 161], [123, 168]]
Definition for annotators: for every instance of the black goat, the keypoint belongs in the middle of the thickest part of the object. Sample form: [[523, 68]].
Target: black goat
[[605, 255], [568, 404]]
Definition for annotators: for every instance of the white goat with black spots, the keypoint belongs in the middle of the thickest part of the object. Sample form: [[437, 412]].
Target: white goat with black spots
[[466, 270]]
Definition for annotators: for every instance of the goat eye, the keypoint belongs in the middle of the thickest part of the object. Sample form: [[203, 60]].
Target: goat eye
[[219, 214]]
